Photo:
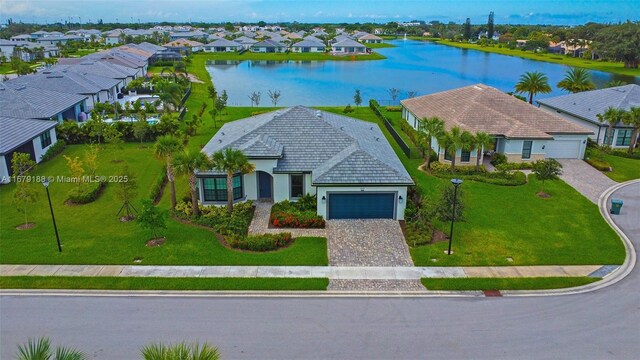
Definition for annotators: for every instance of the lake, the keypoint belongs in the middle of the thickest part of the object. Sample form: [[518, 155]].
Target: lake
[[424, 67]]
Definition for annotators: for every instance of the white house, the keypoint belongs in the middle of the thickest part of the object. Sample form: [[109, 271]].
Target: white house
[[222, 45], [521, 132], [347, 163], [268, 46], [348, 46], [308, 46], [370, 39], [583, 109]]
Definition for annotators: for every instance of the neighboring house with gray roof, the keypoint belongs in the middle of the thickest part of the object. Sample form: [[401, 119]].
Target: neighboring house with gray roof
[[308, 46], [28, 102], [522, 132], [30, 136], [268, 46], [222, 45], [348, 46], [346, 162], [583, 108], [246, 42]]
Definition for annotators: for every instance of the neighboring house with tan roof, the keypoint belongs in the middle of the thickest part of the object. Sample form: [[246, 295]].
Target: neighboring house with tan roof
[[184, 46], [522, 132], [370, 39]]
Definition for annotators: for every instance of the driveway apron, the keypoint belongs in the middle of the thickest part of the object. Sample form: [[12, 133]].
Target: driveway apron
[[584, 178]]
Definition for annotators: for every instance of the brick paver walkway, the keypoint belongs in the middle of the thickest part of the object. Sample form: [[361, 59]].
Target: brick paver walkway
[[584, 178]]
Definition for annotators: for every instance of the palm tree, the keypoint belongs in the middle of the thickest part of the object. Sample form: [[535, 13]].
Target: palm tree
[[185, 164], [451, 141], [577, 80], [164, 149], [632, 118], [41, 349], [430, 128], [169, 93], [483, 140], [231, 161], [533, 83], [180, 351], [611, 116], [468, 142], [615, 83]]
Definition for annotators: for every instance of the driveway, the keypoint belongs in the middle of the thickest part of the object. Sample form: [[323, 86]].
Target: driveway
[[587, 180]]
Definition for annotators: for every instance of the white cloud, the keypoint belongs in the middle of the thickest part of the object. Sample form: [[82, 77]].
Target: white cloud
[[21, 7]]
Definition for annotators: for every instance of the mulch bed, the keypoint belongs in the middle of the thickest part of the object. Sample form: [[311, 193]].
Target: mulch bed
[[155, 242], [26, 226], [439, 236], [543, 195]]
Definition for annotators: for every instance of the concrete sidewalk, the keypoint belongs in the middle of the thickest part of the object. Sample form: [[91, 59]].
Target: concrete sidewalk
[[331, 272]]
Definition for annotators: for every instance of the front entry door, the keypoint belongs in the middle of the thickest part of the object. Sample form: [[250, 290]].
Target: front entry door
[[264, 185]]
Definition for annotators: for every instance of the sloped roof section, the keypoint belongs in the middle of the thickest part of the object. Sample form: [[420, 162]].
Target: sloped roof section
[[16, 132]]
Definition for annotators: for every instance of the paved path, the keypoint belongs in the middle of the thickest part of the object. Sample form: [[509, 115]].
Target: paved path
[[587, 180], [331, 272], [260, 223]]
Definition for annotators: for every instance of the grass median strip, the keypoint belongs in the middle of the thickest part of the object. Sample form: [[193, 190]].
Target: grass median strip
[[538, 283], [158, 283]]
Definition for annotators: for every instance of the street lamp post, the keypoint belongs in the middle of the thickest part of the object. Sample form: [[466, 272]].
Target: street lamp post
[[45, 183], [456, 183]]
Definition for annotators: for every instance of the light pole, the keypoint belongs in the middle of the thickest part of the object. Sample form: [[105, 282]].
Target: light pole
[[456, 183], [45, 183]]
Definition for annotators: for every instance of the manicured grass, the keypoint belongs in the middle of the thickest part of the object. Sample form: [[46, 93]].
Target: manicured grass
[[92, 233], [137, 283], [513, 222], [612, 67], [379, 46], [505, 283], [624, 169], [248, 55], [5, 68]]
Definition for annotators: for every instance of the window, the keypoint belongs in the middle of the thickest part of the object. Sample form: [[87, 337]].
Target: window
[[608, 136], [465, 156], [447, 155], [45, 139], [297, 186], [624, 137], [526, 149], [215, 188]]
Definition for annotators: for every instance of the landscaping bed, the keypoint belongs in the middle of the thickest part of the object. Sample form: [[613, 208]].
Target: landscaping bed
[[469, 172], [618, 165], [299, 214]]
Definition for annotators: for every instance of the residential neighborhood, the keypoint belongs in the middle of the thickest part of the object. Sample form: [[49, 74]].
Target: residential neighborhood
[[184, 172]]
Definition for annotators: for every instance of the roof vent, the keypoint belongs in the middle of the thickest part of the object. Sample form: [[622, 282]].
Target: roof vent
[[318, 114], [222, 132], [277, 113], [341, 127], [377, 139], [220, 140]]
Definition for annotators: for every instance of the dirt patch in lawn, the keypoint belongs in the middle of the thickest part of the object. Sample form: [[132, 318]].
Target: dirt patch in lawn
[[26, 226], [543, 195], [155, 242], [439, 236], [127, 218]]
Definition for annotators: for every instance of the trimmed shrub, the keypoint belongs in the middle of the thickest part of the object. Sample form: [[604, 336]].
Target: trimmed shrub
[[217, 218], [599, 164], [265, 242], [300, 214], [87, 194], [514, 166], [254, 113], [54, 150], [393, 108], [158, 184], [504, 178], [498, 159], [348, 109]]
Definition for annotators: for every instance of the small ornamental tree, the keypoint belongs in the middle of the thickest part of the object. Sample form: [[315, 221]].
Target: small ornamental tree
[[76, 170], [141, 127], [393, 93], [444, 207], [152, 218], [274, 96], [357, 99], [24, 194], [549, 169], [126, 191]]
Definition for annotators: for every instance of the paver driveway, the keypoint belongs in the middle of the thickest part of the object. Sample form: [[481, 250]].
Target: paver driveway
[[584, 178]]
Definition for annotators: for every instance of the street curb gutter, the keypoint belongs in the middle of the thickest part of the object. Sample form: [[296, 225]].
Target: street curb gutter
[[610, 279]]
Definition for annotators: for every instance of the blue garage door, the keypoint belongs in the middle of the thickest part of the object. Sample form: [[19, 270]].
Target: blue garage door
[[361, 206]]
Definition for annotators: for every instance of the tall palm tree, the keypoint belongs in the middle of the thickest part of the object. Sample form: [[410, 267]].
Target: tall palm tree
[[576, 80], [611, 116], [185, 164], [468, 142], [632, 118], [483, 140], [231, 161], [164, 149], [533, 83], [451, 141], [430, 128]]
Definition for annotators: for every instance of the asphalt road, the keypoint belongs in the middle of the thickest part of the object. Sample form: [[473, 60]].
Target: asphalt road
[[599, 325]]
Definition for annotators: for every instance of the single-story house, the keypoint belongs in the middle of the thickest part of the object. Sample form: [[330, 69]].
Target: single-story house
[[268, 46], [184, 46], [347, 163], [22, 37], [27, 102], [30, 136], [7, 48], [26, 50], [196, 34], [308, 46], [246, 42], [340, 38], [106, 69], [113, 37], [57, 40], [348, 46], [583, 109], [370, 39], [222, 45], [522, 132]]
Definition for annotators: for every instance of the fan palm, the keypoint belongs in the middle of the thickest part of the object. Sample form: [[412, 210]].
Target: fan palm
[[611, 116], [430, 128], [164, 149], [180, 351], [533, 83], [483, 141], [468, 141], [577, 80], [40, 349], [231, 161], [185, 164], [632, 118]]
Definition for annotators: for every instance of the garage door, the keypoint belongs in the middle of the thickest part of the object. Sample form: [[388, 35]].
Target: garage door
[[361, 205], [567, 149]]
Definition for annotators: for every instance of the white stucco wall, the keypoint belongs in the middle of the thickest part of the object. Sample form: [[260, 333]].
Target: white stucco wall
[[400, 190], [582, 139], [251, 180], [514, 147], [39, 151], [4, 172]]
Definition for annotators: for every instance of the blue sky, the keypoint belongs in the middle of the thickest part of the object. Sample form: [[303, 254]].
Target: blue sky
[[569, 12]]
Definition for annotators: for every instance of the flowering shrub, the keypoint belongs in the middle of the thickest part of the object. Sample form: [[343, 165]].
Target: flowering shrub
[[265, 242], [300, 214], [217, 218]]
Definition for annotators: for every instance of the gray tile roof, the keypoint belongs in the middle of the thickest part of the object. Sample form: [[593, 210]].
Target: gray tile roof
[[268, 43], [309, 43], [67, 82], [245, 40], [24, 101], [348, 43], [335, 149], [100, 68], [588, 104], [16, 132], [223, 43]]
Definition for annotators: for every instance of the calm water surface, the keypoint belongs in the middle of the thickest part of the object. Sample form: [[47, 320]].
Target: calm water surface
[[423, 67]]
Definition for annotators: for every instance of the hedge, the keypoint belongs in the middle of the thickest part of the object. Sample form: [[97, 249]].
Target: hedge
[[86, 196], [54, 150], [503, 178], [264, 242], [158, 185], [599, 164]]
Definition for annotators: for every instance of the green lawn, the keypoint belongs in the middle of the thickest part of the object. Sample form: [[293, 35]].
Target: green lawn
[[286, 56], [505, 283], [5, 68], [612, 67], [133, 283], [513, 222], [380, 45], [624, 169], [92, 233]]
